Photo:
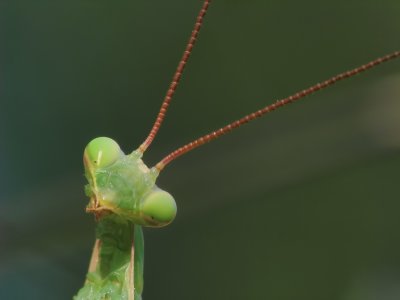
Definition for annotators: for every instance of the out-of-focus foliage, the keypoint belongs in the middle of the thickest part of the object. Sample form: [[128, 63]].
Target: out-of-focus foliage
[[300, 205]]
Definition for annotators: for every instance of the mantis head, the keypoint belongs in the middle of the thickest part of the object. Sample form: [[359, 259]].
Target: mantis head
[[123, 185]]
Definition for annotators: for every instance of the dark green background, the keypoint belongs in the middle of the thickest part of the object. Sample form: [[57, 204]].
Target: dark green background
[[303, 204]]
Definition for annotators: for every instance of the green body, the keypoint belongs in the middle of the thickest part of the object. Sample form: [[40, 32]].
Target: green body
[[123, 198], [113, 274]]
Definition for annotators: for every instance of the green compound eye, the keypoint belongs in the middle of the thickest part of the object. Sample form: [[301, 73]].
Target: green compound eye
[[160, 207], [102, 152]]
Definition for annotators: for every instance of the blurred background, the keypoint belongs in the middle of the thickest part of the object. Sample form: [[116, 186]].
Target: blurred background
[[303, 204]]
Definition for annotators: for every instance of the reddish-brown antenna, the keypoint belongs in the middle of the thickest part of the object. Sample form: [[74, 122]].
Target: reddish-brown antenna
[[280, 103], [177, 77]]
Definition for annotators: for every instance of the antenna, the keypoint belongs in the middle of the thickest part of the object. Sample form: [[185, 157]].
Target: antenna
[[280, 103], [177, 77]]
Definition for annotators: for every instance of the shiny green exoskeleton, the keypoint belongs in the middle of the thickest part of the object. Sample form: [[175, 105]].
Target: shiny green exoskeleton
[[123, 197]]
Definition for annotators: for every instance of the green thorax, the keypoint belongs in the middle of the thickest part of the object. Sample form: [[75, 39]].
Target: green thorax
[[115, 272]]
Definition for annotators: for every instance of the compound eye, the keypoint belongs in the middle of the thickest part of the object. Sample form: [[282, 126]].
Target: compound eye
[[160, 207], [102, 152]]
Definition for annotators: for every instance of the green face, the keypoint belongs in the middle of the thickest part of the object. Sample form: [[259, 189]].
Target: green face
[[123, 185]]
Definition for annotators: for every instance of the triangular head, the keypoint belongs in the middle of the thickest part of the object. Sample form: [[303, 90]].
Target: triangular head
[[123, 185]]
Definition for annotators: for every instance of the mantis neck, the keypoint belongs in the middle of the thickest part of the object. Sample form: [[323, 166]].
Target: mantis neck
[[116, 268]]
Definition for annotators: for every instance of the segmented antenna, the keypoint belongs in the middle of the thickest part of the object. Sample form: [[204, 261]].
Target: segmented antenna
[[280, 103], [177, 77]]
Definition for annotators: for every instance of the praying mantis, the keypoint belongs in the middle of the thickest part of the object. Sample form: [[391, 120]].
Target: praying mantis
[[124, 197], [207, 90]]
